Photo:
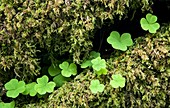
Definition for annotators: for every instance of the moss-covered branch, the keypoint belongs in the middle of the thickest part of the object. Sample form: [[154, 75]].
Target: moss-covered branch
[[146, 67]]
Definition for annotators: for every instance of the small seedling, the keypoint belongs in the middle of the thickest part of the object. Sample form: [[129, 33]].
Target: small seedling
[[30, 89], [7, 105], [118, 81], [98, 64], [14, 88], [58, 78], [44, 86], [150, 23], [87, 63], [68, 70], [120, 42], [95, 86]]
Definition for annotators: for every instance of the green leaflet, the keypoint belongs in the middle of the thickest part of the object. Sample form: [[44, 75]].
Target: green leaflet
[[54, 70], [68, 70], [30, 89], [98, 63], [7, 105], [149, 23], [87, 63], [43, 86], [120, 42], [14, 88], [118, 81], [94, 54], [101, 71], [95, 86], [60, 80]]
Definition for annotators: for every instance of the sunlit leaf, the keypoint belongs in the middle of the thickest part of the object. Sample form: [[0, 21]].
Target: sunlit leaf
[[14, 87], [43, 86], [118, 81], [30, 89], [98, 63], [7, 105], [150, 23], [68, 70], [120, 42], [95, 86]]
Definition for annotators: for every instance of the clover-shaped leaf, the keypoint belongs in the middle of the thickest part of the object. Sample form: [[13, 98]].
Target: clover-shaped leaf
[[95, 86], [118, 81], [54, 70], [94, 54], [101, 71], [68, 70], [7, 105], [60, 80], [14, 87], [118, 42], [87, 63], [98, 63], [30, 89], [149, 23], [44, 86]]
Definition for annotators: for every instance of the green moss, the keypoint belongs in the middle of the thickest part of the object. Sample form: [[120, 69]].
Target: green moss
[[26, 26], [146, 68]]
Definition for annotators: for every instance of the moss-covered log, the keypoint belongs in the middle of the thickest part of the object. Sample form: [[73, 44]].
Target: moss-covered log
[[146, 67], [56, 26]]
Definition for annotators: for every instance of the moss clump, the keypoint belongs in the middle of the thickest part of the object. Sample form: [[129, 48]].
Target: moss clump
[[146, 67], [27, 26]]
